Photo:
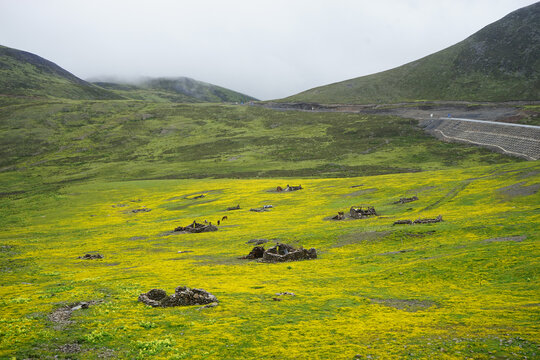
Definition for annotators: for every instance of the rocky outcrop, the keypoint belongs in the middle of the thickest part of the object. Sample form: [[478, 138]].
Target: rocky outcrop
[[183, 296]]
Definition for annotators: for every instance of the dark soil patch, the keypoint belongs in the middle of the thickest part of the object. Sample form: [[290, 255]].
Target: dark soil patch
[[405, 305]]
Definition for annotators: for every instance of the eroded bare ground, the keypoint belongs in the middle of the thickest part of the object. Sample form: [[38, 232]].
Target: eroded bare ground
[[61, 317]]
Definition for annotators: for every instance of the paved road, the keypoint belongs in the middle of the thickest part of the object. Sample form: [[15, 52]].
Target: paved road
[[491, 122]]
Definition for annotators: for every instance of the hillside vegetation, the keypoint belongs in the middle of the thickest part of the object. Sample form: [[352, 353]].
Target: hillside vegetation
[[51, 142], [25, 74], [501, 62]]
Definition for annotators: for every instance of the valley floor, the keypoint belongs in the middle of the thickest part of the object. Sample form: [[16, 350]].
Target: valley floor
[[467, 287]]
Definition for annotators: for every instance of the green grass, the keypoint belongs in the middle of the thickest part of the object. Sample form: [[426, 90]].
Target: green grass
[[72, 171], [454, 295], [49, 143]]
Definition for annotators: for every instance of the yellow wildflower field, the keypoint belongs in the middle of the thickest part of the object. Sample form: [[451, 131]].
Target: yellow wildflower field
[[466, 287]]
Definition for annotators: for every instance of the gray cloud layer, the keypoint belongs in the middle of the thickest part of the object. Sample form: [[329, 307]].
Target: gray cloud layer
[[267, 49]]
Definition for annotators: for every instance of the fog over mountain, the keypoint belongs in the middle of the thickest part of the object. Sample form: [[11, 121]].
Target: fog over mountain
[[267, 49]]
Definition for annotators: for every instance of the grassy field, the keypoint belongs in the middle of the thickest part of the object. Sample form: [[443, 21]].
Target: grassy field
[[71, 172], [45, 144], [463, 288]]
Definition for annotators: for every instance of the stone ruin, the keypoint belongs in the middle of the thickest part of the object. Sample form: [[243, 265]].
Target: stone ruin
[[284, 252], [90, 257], [360, 213], [428, 221], [406, 200], [183, 296], [281, 253], [289, 188], [419, 221], [195, 227], [237, 207]]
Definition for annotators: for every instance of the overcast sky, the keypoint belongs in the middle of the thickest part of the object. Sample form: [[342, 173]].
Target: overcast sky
[[267, 49]]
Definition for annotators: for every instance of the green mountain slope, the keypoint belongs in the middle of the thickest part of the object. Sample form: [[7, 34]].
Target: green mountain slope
[[25, 74], [501, 62], [53, 142], [180, 89]]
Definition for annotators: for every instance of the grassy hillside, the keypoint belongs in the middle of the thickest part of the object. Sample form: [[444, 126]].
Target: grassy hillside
[[463, 288], [180, 89], [26, 74], [501, 62], [47, 143]]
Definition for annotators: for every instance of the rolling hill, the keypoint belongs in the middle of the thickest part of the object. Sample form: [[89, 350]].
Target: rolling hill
[[26, 74], [501, 62], [174, 89]]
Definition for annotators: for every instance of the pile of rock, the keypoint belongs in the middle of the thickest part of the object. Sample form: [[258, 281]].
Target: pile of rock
[[256, 253], [406, 200], [90, 257], [360, 213], [237, 207], [195, 227], [183, 296], [340, 216]]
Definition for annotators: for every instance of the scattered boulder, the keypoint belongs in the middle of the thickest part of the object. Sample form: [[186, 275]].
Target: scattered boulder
[[428, 221], [293, 188], [237, 207], [406, 200], [403, 222], [340, 216], [197, 197], [183, 296], [90, 257], [285, 293], [195, 227], [360, 213], [284, 252], [256, 253]]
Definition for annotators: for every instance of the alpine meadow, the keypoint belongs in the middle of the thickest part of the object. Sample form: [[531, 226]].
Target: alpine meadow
[[391, 216]]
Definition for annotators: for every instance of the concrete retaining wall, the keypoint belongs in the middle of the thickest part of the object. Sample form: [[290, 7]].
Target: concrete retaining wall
[[513, 139]]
